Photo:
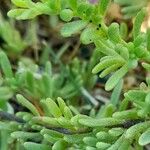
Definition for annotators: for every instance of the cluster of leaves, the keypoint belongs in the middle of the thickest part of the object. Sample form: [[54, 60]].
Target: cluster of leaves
[[39, 83], [12, 41], [131, 8], [62, 127], [51, 124], [120, 56]]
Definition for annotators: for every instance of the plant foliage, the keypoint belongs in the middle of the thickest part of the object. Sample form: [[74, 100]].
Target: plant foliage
[[47, 119]]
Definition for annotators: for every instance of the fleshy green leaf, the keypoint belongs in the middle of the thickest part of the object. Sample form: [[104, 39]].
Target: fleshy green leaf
[[66, 15], [52, 107], [22, 3], [25, 135], [114, 33], [88, 35], [73, 27], [91, 141], [36, 146], [135, 129], [102, 145], [60, 145], [5, 65], [116, 93], [104, 122], [145, 138], [138, 22], [114, 79], [5, 93], [24, 102], [103, 4], [73, 3]]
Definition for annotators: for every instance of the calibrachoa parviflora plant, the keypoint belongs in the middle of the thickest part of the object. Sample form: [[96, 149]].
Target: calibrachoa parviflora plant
[[49, 122]]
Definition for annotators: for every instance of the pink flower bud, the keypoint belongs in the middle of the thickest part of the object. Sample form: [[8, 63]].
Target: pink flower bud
[[93, 1]]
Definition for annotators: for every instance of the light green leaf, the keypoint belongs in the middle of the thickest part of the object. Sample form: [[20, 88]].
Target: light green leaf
[[66, 15], [146, 66], [46, 121], [36, 146], [67, 113], [145, 138], [60, 145], [136, 95], [5, 93], [24, 102], [91, 141], [5, 65], [123, 30], [22, 3], [114, 79], [138, 22], [103, 47], [103, 4], [127, 114], [114, 33], [102, 145], [53, 108], [75, 138], [104, 122], [25, 135], [106, 63], [109, 70], [61, 104], [52, 133], [116, 93], [88, 35], [15, 13], [73, 27], [73, 3], [136, 129]]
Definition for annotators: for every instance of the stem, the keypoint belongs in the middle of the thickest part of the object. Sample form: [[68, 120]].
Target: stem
[[11, 117], [89, 97]]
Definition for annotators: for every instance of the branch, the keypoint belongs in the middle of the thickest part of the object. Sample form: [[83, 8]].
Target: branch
[[10, 117]]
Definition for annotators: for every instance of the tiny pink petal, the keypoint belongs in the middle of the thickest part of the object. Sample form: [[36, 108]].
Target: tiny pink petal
[[93, 1]]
